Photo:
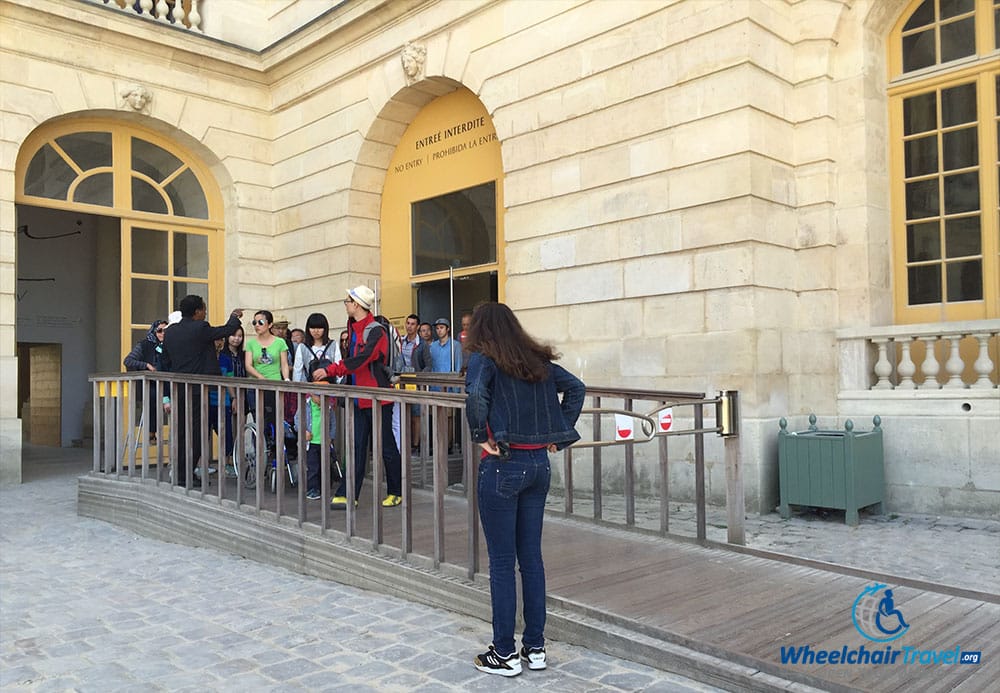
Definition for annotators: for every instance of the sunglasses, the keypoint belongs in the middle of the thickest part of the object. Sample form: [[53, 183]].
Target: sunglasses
[[258, 322], [348, 300], [161, 330]]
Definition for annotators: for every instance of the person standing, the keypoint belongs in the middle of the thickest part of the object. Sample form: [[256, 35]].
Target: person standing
[[146, 356], [189, 347], [411, 341], [516, 416], [363, 364], [446, 357], [422, 352], [317, 346], [267, 359]]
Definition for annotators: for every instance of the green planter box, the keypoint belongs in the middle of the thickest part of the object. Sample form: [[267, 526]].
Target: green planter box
[[831, 469]]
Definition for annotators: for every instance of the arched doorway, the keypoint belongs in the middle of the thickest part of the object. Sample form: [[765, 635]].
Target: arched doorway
[[442, 212], [115, 224]]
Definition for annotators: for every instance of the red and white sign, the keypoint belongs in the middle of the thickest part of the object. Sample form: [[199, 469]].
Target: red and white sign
[[666, 419], [624, 427]]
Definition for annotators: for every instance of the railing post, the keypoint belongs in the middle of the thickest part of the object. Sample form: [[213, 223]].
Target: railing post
[[350, 527], [598, 483], [406, 485], [96, 398], [727, 418], [204, 434], [260, 420], [699, 470], [469, 458], [629, 476], [664, 484], [440, 479], [377, 469]]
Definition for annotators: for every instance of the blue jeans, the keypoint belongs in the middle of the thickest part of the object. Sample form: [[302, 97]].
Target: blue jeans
[[511, 505]]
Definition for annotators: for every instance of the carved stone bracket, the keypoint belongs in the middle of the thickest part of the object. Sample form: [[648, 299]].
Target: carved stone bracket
[[413, 58], [136, 97]]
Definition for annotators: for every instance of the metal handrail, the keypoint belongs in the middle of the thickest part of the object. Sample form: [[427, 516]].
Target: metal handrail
[[122, 448]]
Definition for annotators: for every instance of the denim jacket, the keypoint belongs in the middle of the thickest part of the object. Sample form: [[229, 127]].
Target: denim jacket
[[517, 411]]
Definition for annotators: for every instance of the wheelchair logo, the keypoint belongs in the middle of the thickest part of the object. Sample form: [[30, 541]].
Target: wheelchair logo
[[875, 614]]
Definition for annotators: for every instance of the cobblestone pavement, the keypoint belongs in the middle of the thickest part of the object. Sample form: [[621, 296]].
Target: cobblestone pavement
[[962, 552], [88, 606]]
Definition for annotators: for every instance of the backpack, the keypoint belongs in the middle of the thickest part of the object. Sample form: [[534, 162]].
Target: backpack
[[393, 364]]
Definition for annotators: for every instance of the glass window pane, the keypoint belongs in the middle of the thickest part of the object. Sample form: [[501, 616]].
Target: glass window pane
[[920, 113], [921, 156], [187, 197], [149, 300], [923, 242], [922, 199], [961, 193], [961, 149], [48, 175], [87, 149], [996, 27], [182, 289], [965, 281], [962, 237], [146, 198], [155, 162], [97, 189], [138, 335], [149, 251], [918, 50], [958, 39], [922, 16], [958, 105], [190, 255], [953, 8], [923, 284], [455, 230]]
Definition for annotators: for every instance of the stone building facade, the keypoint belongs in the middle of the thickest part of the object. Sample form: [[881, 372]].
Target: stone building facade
[[691, 195]]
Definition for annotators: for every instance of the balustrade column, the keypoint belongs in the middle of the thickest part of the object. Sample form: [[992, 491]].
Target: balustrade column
[[954, 365], [906, 367], [193, 17], [162, 8], [983, 365], [930, 367], [883, 369]]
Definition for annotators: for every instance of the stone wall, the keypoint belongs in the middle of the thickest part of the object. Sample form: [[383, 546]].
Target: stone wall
[[695, 193]]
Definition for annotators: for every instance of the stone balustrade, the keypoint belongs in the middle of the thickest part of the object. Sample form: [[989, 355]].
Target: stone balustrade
[[936, 356], [180, 13]]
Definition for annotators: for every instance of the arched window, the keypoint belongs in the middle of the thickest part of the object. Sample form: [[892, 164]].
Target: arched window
[[943, 104], [169, 205]]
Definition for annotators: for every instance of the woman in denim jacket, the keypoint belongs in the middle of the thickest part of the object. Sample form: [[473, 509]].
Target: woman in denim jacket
[[516, 416]]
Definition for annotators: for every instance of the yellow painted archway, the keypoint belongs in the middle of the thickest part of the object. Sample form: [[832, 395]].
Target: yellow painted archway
[[169, 204], [442, 208]]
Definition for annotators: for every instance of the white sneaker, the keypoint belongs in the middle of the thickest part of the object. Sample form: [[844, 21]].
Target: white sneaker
[[533, 657]]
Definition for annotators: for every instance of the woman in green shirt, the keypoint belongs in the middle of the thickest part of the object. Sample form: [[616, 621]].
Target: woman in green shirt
[[267, 359]]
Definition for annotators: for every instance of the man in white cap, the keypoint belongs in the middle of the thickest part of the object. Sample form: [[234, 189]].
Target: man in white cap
[[364, 366]]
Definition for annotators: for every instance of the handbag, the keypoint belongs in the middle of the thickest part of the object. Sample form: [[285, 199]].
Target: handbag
[[319, 362]]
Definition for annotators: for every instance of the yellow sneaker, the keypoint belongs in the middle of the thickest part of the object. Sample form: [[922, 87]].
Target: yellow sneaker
[[339, 502], [392, 501]]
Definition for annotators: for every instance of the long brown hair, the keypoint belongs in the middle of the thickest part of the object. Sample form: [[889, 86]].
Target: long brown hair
[[496, 332]]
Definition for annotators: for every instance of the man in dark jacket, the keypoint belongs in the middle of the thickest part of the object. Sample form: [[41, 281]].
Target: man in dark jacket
[[189, 347]]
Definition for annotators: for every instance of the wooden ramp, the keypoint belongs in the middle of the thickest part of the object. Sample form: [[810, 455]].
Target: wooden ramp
[[738, 607]]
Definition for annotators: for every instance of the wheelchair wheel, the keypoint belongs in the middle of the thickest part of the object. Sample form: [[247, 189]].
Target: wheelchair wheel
[[250, 472], [250, 454]]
